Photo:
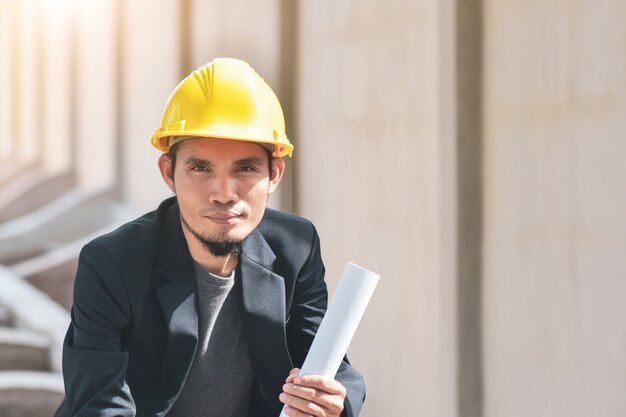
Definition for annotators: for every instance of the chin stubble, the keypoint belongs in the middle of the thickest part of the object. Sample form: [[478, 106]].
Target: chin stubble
[[221, 248]]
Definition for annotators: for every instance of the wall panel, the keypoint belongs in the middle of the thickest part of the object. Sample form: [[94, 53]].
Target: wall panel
[[96, 100], [151, 68], [555, 235], [57, 91], [375, 171]]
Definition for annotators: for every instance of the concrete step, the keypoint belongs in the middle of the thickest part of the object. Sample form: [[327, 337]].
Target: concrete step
[[65, 219], [33, 189], [6, 319], [11, 170], [23, 350], [33, 310], [57, 282], [29, 393]]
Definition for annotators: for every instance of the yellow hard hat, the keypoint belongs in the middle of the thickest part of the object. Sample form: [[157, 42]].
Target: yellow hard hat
[[224, 99]]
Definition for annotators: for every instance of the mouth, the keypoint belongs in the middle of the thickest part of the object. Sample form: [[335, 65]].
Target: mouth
[[224, 217]]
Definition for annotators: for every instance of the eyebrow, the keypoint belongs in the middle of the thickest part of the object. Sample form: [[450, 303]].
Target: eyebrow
[[253, 160], [192, 160]]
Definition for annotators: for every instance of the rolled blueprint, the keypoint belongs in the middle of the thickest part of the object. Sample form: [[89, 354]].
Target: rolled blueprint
[[344, 313]]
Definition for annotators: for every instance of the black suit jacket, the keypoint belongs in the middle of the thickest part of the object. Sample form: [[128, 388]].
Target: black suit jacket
[[134, 329]]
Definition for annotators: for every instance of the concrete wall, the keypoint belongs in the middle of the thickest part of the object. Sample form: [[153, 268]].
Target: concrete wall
[[95, 94], [375, 172], [6, 76], [28, 80], [56, 91], [555, 233], [150, 68]]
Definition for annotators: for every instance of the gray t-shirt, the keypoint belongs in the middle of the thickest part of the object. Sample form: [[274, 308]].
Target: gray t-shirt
[[220, 380]]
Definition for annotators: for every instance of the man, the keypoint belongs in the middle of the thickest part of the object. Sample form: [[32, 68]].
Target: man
[[204, 306]]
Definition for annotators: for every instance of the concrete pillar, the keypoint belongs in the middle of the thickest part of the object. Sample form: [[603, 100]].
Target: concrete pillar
[[376, 172], [96, 94], [28, 81], [6, 81], [150, 69], [56, 95], [239, 29], [555, 232]]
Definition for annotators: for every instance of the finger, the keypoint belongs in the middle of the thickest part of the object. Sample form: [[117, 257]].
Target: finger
[[328, 385], [305, 407], [331, 403], [292, 374], [303, 391], [292, 412]]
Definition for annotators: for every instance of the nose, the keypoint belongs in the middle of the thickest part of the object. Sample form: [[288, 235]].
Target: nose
[[223, 190]]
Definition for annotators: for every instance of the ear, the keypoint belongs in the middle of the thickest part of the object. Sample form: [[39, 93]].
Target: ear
[[278, 169], [165, 166]]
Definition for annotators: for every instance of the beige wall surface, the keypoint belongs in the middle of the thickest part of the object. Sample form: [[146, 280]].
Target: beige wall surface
[[151, 70], [372, 175], [56, 97], [7, 144], [28, 109], [96, 95], [555, 236]]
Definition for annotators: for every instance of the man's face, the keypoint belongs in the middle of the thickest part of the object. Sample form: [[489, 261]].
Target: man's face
[[222, 186]]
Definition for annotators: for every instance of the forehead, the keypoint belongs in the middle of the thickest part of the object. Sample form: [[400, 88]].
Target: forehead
[[219, 149]]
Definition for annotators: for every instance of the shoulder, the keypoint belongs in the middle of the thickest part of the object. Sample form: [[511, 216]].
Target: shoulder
[[284, 218], [286, 226], [139, 235], [292, 238]]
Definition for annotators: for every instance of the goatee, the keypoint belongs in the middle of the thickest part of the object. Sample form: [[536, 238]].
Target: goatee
[[221, 248]]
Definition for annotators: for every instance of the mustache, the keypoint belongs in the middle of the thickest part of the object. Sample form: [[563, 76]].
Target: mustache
[[216, 208]]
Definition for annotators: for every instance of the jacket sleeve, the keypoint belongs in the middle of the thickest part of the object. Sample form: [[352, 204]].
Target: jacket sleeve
[[306, 313], [94, 361]]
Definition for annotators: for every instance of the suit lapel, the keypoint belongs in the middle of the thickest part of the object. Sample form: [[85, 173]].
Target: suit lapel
[[177, 297], [264, 306]]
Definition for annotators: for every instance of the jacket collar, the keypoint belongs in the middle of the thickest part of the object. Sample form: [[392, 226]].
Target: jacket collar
[[256, 249]]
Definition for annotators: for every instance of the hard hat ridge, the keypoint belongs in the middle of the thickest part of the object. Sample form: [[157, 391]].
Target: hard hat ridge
[[204, 77]]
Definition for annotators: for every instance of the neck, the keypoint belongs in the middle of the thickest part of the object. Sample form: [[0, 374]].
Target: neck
[[220, 266]]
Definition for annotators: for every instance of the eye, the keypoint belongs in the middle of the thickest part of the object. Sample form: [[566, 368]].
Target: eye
[[199, 168], [247, 168]]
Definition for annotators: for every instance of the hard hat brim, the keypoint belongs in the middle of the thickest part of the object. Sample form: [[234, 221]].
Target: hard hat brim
[[160, 140]]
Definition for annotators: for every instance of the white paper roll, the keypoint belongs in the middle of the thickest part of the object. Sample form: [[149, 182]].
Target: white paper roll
[[344, 313]]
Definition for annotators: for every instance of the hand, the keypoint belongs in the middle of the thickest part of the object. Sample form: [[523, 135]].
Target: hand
[[312, 396]]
